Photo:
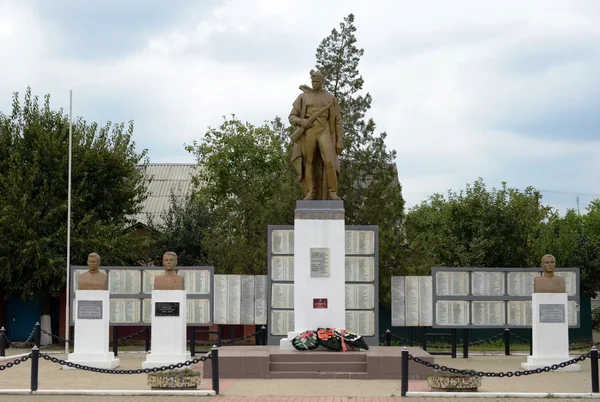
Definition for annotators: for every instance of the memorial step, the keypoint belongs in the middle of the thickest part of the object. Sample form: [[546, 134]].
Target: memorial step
[[320, 367], [316, 357], [317, 375]]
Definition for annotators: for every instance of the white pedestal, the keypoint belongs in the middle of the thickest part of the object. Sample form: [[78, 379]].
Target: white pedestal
[[550, 339], [318, 224], [92, 315], [168, 342]]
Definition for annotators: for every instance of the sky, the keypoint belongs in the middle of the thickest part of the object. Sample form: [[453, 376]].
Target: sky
[[503, 90]]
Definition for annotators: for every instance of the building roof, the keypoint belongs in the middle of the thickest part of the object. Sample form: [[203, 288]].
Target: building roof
[[165, 178]]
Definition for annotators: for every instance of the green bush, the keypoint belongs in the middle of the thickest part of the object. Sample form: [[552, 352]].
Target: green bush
[[596, 317], [177, 373]]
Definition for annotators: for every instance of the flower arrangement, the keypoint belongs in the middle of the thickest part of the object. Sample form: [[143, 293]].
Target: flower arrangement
[[330, 338]]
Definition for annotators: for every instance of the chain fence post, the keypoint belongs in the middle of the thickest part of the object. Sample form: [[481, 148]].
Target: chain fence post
[[263, 335], [2, 342], [506, 342], [594, 369], [115, 340], [531, 343], [453, 332], [232, 334], [404, 374], [147, 339], [388, 337], [37, 334], [466, 343], [219, 334], [35, 364], [193, 341], [214, 356]]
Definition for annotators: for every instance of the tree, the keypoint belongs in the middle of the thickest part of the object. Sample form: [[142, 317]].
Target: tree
[[477, 227], [107, 187], [247, 183], [369, 182]]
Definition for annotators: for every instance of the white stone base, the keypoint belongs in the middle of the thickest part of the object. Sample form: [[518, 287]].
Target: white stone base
[[541, 362], [98, 360], [286, 343]]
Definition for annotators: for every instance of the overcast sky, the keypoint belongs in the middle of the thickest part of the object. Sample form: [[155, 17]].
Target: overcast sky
[[505, 90]]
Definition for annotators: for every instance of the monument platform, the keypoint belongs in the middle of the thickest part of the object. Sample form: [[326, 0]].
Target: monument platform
[[379, 362]]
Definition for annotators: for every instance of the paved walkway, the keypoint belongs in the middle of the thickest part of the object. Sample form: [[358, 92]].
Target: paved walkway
[[276, 390]]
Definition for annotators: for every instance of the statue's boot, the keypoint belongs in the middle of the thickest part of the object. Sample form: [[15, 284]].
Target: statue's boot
[[332, 185]]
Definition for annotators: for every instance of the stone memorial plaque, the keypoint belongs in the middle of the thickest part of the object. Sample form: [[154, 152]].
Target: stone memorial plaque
[[247, 312], [319, 303], [122, 281], [89, 309], [282, 268], [360, 296], [360, 242], [319, 262], [425, 301], [397, 289], [234, 301], [282, 241], [125, 311], [411, 301], [398, 314], [260, 287], [361, 322], [166, 309], [147, 310], [488, 313], [450, 283], [360, 269], [260, 312], [519, 312], [248, 288], [520, 283], [451, 312], [220, 299], [570, 281], [148, 280], [572, 310], [196, 282], [282, 322], [487, 283], [552, 313], [282, 295], [75, 279], [198, 311]]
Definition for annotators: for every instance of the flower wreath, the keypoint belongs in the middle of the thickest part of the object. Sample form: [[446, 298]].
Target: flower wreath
[[329, 339], [307, 340], [351, 339]]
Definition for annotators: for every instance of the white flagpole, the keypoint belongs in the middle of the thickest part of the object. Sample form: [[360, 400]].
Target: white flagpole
[[68, 298]]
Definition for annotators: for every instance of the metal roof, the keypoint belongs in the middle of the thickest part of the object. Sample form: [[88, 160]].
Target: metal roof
[[164, 179]]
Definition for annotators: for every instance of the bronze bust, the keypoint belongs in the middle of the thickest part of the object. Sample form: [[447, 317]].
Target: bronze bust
[[548, 282], [93, 279], [169, 280]]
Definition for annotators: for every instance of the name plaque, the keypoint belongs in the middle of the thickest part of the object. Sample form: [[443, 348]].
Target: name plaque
[[89, 309], [319, 303], [552, 313], [166, 309], [319, 262]]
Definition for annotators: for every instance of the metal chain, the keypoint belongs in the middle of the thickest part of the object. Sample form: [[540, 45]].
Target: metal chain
[[245, 337], [57, 337], [433, 346], [139, 371], [22, 345], [132, 335], [507, 374], [520, 338], [15, 362]]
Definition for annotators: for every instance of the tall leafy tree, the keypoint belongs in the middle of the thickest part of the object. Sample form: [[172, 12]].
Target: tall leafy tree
[[107, 187], [369, 183], [247, 183]]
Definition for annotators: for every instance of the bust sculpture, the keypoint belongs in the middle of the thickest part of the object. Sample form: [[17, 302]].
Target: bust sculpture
[[169, 280], [93, 279], [548, 282]]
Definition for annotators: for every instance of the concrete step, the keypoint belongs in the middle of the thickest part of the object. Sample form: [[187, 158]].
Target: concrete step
[[317, 375], [322, 367], [316, 357]]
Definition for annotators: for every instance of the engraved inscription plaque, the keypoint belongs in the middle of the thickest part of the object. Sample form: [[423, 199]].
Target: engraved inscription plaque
[[166, 309], [89, 309], [552, 313], [282, 268], [319, 262], [282, 242], [360, 269], [124, 281]]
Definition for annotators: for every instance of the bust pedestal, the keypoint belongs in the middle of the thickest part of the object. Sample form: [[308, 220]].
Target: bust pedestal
[[169, 324], [92, 315], [550, 332], [320, 288]]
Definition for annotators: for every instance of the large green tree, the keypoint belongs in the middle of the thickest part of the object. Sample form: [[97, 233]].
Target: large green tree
[[477, 227], [246, 183], [107, 187]]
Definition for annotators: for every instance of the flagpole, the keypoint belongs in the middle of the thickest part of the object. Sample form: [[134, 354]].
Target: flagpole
[[68, 298]]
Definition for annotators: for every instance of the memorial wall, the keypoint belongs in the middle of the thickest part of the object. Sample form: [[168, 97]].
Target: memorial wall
[[474, 297], [361, 276]]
